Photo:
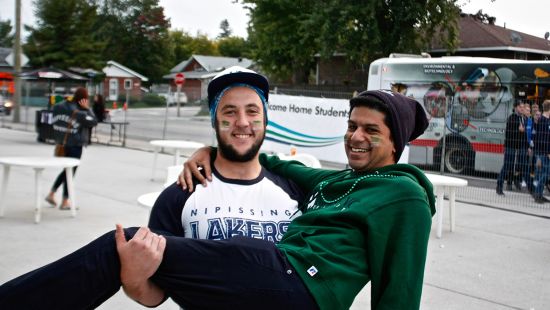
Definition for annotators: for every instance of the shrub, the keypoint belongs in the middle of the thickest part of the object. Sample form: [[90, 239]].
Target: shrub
[[153, 100]]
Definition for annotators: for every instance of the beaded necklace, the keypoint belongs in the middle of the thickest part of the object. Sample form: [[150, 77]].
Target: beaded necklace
[[323, 184]]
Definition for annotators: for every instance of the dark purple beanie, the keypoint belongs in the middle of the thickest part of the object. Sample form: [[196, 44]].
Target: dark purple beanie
[[407, 117]]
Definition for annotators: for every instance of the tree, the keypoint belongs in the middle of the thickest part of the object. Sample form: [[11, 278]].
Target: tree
[[64, 36], [6, 38], [233, 47], [226, 30], [279, 40], [180, 46], [202, 45], [137, 36], [287, 34]]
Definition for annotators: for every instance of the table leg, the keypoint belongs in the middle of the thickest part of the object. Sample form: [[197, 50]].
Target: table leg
[[124, 136], [439, 193], [37, 195], [70, 188], [177, 157], [113, 128], [5, 177], [452, 198], [156, 151]]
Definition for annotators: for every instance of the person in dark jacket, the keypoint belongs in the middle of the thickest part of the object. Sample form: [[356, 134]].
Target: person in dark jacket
[[515, 143], [72, 123], [99, 108], [542, 152]]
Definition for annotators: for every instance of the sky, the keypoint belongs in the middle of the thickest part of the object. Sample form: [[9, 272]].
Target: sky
[[528, 16]]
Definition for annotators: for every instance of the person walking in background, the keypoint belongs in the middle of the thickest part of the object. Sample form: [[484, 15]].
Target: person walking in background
[[72, 121], [99, 108], [542, 152], [514, 138]]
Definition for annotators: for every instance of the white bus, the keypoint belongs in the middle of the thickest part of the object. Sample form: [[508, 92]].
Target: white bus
[[468, 100]]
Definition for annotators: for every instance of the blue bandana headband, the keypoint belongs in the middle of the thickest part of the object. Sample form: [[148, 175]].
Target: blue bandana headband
[[214, 105]]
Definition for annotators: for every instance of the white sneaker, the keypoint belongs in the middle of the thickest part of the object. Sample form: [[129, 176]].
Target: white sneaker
[[523, 184]]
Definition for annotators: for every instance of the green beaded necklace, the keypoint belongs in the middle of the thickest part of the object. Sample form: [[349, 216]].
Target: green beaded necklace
[[331, 201]]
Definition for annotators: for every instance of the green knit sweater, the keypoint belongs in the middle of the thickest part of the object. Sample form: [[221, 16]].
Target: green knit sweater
[[360, 227]]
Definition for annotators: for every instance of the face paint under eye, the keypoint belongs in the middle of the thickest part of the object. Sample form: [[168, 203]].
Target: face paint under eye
[[225, 125], [375, 140], [257, 125]]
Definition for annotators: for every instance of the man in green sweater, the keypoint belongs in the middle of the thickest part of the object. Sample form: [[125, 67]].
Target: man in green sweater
[[368, 223]]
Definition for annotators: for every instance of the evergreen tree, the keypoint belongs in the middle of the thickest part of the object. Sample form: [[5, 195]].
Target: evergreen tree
[[225, 29], [137, 36], [6, 37], [64, 35]]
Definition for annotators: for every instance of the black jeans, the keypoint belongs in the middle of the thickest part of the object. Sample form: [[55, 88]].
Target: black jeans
[[239, 273], [73, 152]]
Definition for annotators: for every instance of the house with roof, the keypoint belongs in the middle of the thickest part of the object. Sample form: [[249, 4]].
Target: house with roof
[[199, 70], [120, 80], [480, 37]]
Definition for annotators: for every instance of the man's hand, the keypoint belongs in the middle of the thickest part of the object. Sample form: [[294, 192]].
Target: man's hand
[[140, 257], [201, 158]]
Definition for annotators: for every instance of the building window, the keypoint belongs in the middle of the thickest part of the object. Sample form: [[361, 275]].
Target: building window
[[113, 89], [127, 84]]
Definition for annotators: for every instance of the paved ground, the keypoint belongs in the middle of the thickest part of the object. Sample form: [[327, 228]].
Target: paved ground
[[496, 259]]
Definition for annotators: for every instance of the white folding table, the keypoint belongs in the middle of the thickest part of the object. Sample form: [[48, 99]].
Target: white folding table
[[177, 145], [39, 164], [442, 183]]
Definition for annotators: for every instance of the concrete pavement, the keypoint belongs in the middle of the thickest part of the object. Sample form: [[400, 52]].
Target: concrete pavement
[[496, 259]]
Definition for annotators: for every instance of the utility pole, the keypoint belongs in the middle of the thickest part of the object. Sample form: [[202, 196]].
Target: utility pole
[[17, 63]]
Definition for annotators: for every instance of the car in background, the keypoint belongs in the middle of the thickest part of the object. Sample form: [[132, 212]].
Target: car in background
[[6, 105], [171, 98]]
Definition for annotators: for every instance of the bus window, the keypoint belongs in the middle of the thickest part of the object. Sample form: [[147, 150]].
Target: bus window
[[374, 70]]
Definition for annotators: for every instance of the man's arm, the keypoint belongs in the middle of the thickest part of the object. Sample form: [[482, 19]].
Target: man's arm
[[397, 248], [305, 177], [139, 258], [166, 213]]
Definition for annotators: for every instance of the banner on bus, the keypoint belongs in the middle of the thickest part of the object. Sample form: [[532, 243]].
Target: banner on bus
[[311, 125]]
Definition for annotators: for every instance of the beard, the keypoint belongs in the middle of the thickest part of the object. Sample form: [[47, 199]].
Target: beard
[[230, 153]]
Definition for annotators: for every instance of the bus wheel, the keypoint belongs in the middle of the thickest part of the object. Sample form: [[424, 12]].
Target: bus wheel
[[459, 160]]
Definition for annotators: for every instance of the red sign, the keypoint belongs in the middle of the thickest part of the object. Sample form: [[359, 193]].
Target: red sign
[[179, 79]]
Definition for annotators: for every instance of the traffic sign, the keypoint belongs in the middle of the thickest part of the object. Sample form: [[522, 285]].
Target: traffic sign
[[179, 79], [10, 59]]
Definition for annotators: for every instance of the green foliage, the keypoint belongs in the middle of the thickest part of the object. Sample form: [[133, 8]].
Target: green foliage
[[287, 34], [64, 36], [225, 29], [282, 40], [233, 47], [137, 36], [202, 45], [153, 100], [179, 45], [6, 38]]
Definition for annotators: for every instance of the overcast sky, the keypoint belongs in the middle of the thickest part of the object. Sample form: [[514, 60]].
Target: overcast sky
[[529, 16]]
